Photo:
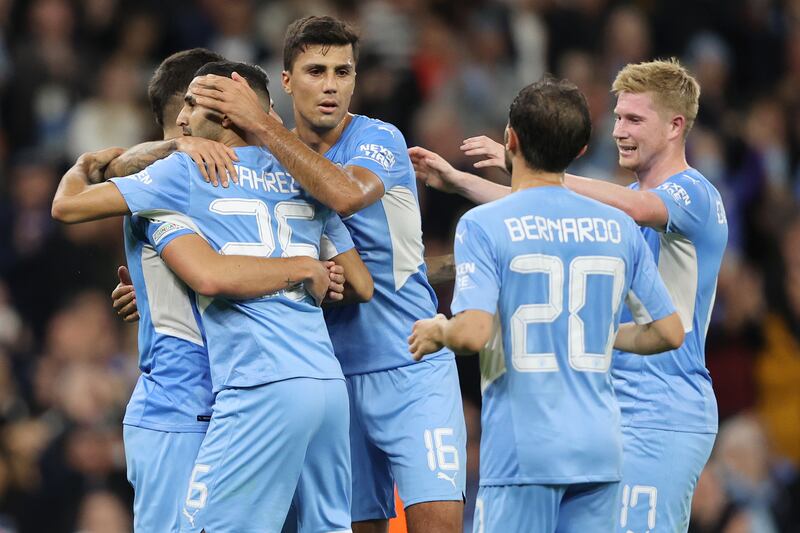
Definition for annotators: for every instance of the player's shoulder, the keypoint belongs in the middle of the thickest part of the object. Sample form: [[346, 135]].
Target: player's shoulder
[[488, 215], [254, 155], [363, 127], [688, 184]]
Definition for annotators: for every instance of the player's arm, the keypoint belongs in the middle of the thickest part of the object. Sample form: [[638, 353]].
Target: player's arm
[[434, 171], [655, 337], [213, 159], [645, 207], [467, 332], [81, 197], [358, 284], [441, 269], [209, 273], [345, 190]]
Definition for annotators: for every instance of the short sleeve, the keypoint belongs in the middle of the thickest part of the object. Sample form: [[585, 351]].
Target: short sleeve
[[687, 202], [164, 185], [382, 150], [335, 238], [647, 298], [477, 275], [163, 230]]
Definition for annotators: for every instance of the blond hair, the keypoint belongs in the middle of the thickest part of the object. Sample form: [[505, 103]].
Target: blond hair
[[673, 88]]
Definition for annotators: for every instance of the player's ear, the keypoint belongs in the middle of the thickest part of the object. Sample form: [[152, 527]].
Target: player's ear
[[286, 82], [676, 126], [512, 141], [583, 151]]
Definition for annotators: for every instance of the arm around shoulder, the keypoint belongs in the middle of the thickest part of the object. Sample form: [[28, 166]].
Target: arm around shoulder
[[645, 207]]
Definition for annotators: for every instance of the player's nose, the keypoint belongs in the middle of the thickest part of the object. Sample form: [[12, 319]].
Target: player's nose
[[330, 83]]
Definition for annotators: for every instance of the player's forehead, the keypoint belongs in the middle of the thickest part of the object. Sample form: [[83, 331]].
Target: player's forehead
[[326, 56], [635, 103]]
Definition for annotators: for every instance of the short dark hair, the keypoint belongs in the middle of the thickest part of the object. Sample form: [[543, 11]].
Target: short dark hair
[[311, 30], [173, 76], [551, 120], [256, 77]]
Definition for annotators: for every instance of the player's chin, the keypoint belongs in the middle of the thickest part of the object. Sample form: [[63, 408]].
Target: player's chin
[[328, 120], [628, 163]]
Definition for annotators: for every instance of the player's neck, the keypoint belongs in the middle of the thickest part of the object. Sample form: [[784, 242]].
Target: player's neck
[[526, 178], [320, 140], [662, 168], [231, 138]]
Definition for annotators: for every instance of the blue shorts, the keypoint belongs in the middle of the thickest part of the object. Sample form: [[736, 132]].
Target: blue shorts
[[578, 508], [407, 427], [159, 465], [263, 445], [659, 473]]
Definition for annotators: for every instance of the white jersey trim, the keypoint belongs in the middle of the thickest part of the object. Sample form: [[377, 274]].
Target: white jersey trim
[[405, 229], [492, 357], [677, 265], [168, 300]]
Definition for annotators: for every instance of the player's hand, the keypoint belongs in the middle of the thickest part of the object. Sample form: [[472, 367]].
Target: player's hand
[[95, 163], [233, 97], [317, 281], [494, 152], [433, 170], [336, 283], [215, 160], [124, 297], [427, 336]]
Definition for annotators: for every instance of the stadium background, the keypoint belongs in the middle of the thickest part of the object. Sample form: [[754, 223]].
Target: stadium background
[[73, 77]]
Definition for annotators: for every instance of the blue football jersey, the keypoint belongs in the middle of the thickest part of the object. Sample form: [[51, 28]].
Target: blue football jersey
[[673, 390], [259, 340], [173, 392], [388, 235], [553, 268]]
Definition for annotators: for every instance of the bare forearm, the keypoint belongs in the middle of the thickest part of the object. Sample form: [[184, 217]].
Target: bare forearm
[[76, 200], [250, 277], [464, 335], [479, 190], [647, 339], [140, 157], [441, 269], [602, 191], [642, 206], [328, 183]]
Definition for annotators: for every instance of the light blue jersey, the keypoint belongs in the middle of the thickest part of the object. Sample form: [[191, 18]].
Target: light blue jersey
[[260, 340], [554, 268], [673, 391], [388, 235], [169, 410], [174, 390]]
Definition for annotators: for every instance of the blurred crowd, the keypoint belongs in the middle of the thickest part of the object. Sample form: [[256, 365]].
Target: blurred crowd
[[73, 75]]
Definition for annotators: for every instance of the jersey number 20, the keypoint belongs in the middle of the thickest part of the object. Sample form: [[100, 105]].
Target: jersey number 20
[[579, 271]]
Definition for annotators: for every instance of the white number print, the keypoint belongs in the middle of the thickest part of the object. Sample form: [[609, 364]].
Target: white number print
[[266, 245], [446, 455], [536, 313], [196, 486], [630, 499], [244, 207], [579, 271]]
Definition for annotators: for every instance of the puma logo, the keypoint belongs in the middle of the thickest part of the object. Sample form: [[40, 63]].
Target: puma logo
[[442, 475], [190, 517]]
